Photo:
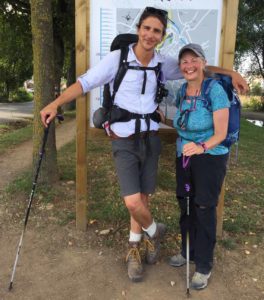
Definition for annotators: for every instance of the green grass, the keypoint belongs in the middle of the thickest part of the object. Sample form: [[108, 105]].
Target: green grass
[[245, 186], [244, 206]]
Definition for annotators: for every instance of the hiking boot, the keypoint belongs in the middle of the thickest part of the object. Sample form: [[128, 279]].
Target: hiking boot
[[153, 244], [178, 261], [134, 266], [200, 281]]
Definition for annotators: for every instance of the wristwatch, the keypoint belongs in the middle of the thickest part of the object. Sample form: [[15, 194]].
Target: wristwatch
[[203, 145]]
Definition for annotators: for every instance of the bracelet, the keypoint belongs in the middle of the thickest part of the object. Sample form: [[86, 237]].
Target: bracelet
[[203, 145]]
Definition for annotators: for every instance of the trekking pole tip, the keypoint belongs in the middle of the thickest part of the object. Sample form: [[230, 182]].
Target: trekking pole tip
[[188, 293], [10, 286]]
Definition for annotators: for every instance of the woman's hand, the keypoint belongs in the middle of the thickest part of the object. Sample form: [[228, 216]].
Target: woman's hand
[[192, 149]]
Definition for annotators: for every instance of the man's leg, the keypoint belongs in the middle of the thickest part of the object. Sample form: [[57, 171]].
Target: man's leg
[[138, 210], [137, 172], [135, 269]]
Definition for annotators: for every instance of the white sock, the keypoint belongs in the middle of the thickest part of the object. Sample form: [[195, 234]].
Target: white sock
[[134, 237], [151, 230]]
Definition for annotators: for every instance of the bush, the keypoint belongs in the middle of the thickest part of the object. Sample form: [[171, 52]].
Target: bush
[[256, 89], [21, 96], [257, 104]]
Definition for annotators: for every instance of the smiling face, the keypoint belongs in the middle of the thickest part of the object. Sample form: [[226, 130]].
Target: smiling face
[[192, 66], [150, 33]]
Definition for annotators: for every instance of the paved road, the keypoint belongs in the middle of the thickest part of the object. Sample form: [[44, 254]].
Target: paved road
[[15, 111], [253, 115]]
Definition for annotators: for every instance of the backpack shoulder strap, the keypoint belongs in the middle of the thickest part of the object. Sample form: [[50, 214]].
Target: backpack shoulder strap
[[181, 95], [121, 72], [108, 99], [207, 86]]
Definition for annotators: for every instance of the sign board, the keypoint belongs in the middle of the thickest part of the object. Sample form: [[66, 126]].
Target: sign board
[[190, 21]]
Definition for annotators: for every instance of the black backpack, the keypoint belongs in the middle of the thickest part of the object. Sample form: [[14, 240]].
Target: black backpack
[[122, 41]]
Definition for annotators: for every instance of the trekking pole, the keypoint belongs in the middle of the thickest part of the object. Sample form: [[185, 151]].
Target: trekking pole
[[185, 162], [41, 153]]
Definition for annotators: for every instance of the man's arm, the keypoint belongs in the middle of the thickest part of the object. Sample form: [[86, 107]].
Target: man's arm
[[238, 81], [49, 112]]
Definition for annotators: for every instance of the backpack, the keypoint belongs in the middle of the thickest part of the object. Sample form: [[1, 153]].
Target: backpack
[[235, 105], [122, 41]]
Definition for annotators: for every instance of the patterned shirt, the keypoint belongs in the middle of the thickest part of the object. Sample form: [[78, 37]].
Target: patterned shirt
[[199, 121]]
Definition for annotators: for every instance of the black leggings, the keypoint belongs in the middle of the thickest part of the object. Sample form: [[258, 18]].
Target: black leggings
[[205, 174]]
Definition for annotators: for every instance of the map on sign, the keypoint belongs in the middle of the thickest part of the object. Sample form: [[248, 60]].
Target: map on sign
[[185, 25]]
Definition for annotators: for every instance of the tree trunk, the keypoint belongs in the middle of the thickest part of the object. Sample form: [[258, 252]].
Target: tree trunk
[[43, 74]]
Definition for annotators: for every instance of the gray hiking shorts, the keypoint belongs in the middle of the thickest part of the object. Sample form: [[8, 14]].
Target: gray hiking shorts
[[136, 167]]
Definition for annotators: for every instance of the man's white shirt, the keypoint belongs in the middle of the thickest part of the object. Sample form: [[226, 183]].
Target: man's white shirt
[[129, 95]]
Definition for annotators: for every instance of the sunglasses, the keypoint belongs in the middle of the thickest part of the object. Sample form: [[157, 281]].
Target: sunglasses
[[183, 119], [156, 11], [184, 114]]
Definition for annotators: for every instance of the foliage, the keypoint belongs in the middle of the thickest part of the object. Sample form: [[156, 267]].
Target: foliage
[[21, 95], [15, 33], [256, 89], [15, 51], [256, 104], [250, 35]]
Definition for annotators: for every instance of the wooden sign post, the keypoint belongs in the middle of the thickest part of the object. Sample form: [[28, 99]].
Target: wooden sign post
[[82, 29], [226, 60]]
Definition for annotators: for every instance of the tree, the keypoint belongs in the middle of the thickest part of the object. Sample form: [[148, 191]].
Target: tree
[[52, 39], [43, 57], [250, 35]]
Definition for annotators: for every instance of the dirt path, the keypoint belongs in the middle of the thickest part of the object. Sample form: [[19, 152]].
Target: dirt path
[[20, 158], [59, 263]]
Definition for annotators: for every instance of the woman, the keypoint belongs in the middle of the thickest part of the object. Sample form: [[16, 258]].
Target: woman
[[201, 130], [136, 167]]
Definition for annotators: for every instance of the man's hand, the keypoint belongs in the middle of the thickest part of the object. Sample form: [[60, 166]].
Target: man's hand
[[162, 116], [48, 113], [239, 83]]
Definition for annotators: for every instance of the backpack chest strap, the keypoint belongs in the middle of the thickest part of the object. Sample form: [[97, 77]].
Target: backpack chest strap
[[144, 69]]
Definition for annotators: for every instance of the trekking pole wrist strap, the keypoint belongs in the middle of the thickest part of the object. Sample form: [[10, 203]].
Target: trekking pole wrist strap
[[203, 146]]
